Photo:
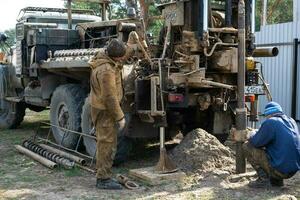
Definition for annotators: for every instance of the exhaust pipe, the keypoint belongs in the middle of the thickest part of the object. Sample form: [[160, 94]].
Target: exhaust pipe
[[266, 52]]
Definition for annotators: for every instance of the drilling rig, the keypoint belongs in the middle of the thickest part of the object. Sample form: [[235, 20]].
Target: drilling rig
[[201, 73]]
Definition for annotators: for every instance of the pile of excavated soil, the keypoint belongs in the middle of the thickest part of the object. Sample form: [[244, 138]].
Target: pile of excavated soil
[[200, 151]]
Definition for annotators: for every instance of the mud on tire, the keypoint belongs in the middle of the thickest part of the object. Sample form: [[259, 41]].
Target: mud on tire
[[65, 111]]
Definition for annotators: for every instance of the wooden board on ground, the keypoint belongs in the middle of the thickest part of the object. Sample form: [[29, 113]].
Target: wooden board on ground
[[151, 177]]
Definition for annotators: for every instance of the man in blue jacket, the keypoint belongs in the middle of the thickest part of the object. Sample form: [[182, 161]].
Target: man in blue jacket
[[274, 150]]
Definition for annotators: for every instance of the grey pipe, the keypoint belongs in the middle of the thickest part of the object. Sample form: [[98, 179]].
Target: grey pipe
[[241, 111], [36, 157], [217, 84], [265, 52], [49, 155], [69, 4], [64, 154], [228, 13]]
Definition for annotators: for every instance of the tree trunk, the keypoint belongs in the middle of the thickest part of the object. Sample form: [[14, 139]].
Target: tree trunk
[[145, 11]]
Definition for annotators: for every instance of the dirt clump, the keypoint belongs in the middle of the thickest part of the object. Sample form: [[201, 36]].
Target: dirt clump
[[200, 151]]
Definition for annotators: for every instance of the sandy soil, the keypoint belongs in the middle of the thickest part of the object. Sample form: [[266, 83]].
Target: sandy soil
[[22, 178]]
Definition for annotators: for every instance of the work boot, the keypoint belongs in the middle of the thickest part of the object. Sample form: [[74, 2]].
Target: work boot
[[259, 183], [261, 173], [276, 182], [108, 184]]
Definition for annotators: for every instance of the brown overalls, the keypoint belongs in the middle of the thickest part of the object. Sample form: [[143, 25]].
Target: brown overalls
[[106, 95]]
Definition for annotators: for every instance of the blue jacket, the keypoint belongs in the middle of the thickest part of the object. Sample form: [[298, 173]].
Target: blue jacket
[[281, 139]]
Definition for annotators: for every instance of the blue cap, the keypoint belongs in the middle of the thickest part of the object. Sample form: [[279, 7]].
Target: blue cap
[[272, 108]]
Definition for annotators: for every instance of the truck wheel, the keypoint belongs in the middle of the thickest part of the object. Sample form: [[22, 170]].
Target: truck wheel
[[9, 117], [65, 111], [124, 143]]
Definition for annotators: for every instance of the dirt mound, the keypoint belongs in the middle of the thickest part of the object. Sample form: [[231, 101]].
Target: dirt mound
[[200, 151]]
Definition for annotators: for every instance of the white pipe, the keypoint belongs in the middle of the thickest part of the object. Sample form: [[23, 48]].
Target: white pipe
[[205, 16], [253, 17], [264, 14]]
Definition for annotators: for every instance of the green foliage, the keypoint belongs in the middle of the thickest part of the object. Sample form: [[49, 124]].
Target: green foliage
[[11, 40], [90, 6], [278, 11], [118, 11], [155, 25], [117, 7], [11, 34]]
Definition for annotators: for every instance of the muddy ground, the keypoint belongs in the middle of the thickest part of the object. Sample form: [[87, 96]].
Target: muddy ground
[[22, 178]]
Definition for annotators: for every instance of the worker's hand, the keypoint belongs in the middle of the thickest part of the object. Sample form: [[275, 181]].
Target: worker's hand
[[93, 131], [121, 124], [238, 135]]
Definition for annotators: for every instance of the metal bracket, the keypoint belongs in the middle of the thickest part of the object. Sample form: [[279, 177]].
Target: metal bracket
[[154, 110]]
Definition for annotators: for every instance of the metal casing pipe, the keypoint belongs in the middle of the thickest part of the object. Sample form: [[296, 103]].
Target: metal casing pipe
[[202, 18], [241, 112], [253, 16], [64, 154], [66, 163], [36, 157], [265, 52], [228, 13], [69, 6]]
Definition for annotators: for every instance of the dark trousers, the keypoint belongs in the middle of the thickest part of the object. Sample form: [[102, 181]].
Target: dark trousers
[[258, 158]]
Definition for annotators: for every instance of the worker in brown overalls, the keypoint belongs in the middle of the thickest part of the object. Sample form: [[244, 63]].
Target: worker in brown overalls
[[107, 115]]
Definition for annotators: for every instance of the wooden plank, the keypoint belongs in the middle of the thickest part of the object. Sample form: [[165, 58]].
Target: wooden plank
[[151, 177]]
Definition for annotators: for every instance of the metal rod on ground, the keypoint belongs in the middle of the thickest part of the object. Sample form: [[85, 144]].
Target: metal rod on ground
[[86, 168], [49, 155], [241, 111], [64, 154], [36, 157], [67, 149]]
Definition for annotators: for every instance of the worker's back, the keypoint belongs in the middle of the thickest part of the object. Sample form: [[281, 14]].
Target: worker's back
[[280, 136]]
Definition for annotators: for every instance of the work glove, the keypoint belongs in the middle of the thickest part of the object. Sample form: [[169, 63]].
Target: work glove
[[242, 136], [122, 125], [93, 131]]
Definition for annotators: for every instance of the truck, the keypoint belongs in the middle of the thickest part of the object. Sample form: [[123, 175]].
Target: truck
[[198, 74]]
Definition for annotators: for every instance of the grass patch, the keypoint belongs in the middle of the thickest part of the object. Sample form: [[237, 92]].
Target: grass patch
[[72, 172]]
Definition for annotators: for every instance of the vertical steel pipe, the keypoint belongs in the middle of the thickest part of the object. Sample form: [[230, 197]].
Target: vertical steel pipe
[[104, 18], [253, 16], [205, 15], [200, 20], [295, 79], [228, 13], [69, 6], [241, 118]]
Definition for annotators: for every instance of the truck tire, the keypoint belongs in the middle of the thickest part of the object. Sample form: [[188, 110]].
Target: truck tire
[[10, 118], [65, 111], [124, 145]]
